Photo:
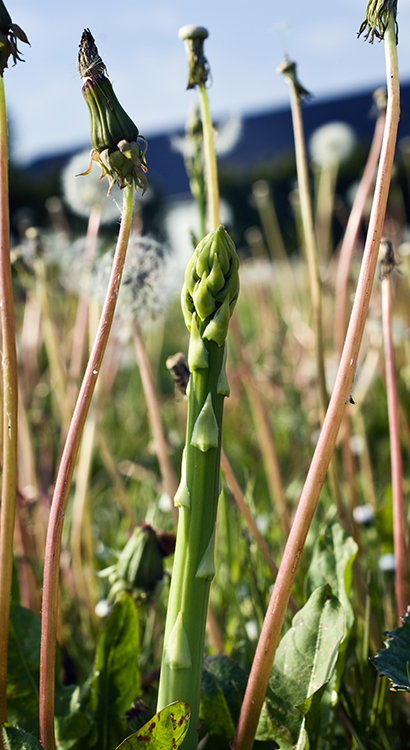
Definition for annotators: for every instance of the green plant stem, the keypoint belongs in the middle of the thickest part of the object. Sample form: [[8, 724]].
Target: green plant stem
[[211, 172], [10, 400], [268, 642], [63, 482], [189, 593], [400, 552]]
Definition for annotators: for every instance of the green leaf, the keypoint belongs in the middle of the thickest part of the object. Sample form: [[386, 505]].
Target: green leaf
[[222, 690], [394, 660], [164, 731], [71, 723], [332, 561], [334, 553], [115, 684], [23, 668], [18, 739], [304, 663]]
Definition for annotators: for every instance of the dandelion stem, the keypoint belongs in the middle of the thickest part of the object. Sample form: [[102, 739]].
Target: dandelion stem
[[63, 482], [10, 400], [268, 642], [352, 231], [167, 472], [210, 160], [400, 554]]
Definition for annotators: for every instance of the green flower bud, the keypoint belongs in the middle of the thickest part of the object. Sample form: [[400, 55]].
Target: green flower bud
[[377, 17], [140, 564], [194, 37], [288, 70], [211, 286], [9, 34], [114, 136]]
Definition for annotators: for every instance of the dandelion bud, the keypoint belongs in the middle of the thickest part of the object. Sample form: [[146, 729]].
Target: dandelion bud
[[114, 137], [194, 37], [9, 33], [211, 286], [376, 19]]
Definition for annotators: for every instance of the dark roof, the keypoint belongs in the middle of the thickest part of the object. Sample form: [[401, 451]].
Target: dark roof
[[265, 136]]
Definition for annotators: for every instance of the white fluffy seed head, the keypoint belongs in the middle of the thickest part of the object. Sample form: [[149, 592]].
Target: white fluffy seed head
[[82, 192], [332, 144]]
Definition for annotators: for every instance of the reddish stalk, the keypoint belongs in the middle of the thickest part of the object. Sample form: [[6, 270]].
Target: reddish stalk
[[352, 232], [55, 527], [268, 642], [161, 448], [400, 552]]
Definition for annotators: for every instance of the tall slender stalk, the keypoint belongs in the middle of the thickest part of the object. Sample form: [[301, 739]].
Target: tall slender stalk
[[63, 482], [352, 230], [400, 552], [10, 400], [268, 642], [161, 449], [297, 93], [211, 172], [208, 297]]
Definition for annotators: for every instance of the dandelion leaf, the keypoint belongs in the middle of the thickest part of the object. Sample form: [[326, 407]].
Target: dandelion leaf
[[222, 690], [115, 683], [17, 739], [394, 660], [305, 662], [165, 730]]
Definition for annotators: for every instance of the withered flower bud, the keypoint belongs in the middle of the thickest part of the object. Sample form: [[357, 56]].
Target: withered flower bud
[[9, 34], [376, 19], [114, 136], [288, 70], [194, 37]]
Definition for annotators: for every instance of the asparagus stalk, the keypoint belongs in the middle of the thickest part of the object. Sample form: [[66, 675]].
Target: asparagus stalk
[[208, 298]]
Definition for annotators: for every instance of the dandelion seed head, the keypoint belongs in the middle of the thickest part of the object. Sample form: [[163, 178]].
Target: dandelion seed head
[[332, 144], [84, 192]]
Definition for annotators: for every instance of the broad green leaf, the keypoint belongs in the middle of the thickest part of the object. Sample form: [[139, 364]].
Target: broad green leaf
[[332, 561], [304, 663], [222, 690], [18, 739], [71, 723], [334, 553], [115, 684], [165, 731], [394, 660], [23, 668]]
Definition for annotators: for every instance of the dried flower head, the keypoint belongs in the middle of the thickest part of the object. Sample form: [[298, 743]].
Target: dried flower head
[[376, 19], [9, 34], [114, 136], [198, 66], [288, 70]]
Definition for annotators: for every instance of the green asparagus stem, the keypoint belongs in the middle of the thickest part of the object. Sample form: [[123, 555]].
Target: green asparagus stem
[[208, 298]]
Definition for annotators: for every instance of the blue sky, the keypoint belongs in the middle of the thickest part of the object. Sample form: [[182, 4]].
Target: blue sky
[[146, 61]]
